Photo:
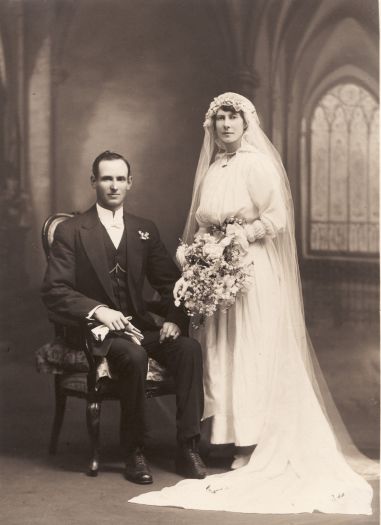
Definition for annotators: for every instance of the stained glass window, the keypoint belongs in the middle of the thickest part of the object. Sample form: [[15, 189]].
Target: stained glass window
[[344, 168]]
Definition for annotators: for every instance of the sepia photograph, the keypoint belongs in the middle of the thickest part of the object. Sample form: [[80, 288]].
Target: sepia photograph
[[189, 262]]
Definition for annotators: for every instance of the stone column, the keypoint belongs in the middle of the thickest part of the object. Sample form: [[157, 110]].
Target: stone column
[[238, 24], [245, 82], [14, 199], [39, 143]]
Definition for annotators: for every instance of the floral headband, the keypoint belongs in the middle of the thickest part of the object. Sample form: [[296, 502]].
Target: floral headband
[[238, 102]]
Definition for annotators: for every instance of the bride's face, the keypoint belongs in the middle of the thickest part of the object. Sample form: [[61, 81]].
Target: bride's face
[[230, 127]]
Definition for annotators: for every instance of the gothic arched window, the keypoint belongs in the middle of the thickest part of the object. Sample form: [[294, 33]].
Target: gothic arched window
[[344, 168]]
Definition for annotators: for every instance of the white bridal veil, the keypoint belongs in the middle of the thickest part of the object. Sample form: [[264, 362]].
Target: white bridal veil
[[305, 459], [256, 139]]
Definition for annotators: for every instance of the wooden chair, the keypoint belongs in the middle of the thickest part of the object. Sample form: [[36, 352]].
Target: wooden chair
[[79, 379]]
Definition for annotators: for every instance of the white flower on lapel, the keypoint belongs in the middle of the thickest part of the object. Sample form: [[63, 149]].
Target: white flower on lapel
[[143, 235]]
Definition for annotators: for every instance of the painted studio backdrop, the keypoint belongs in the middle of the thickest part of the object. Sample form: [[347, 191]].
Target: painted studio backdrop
[[136, 76]]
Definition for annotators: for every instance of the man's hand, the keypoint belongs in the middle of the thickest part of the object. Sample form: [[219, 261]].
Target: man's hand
[[169, 331], [113, 319]]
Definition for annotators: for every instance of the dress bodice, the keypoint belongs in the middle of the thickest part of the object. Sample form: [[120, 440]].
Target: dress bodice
[[244, 186]]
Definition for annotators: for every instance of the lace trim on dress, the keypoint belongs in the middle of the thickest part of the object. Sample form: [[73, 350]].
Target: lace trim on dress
[[269, 229]]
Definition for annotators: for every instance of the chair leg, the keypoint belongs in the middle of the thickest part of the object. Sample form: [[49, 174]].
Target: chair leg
[[93, 413], [60, 400]]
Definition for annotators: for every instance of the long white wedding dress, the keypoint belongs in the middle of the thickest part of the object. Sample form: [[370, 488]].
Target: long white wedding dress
[[258, 387]]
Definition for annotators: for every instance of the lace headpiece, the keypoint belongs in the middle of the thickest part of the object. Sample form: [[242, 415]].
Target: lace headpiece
[[238, 102]]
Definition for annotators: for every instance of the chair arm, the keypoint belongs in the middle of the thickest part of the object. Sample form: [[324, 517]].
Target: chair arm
[[62, 323], [88, 341]]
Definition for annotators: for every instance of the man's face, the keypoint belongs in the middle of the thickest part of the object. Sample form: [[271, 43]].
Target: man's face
[[112, 183]]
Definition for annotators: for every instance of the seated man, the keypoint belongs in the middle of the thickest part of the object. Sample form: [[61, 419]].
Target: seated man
[[98, 264]]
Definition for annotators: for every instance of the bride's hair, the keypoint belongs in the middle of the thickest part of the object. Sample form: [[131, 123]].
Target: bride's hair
[[232, 110]]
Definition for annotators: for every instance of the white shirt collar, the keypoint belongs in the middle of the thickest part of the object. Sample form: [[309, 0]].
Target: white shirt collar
[[108, 217]]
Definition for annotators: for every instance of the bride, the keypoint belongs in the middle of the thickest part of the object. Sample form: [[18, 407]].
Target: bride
[[264, 391]]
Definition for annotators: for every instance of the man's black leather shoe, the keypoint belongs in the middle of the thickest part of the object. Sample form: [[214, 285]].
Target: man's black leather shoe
[[188, 461], [137, 469]]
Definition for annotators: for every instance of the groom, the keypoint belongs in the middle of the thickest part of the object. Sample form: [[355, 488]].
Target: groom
[[97, 268]]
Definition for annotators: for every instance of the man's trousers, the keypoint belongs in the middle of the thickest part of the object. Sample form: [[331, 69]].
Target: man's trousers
[[182, 358]]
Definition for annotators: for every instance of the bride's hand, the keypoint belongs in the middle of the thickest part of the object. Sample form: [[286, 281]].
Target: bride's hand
[[254, 230]]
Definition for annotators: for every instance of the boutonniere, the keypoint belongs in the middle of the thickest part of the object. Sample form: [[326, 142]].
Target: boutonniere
[[143, 235]]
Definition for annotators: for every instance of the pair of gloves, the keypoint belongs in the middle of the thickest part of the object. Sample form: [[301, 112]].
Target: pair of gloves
[[99, 333], [133, 333]]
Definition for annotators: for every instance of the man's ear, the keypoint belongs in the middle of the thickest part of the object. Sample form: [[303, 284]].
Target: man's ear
[[92, 180], [129, 180]]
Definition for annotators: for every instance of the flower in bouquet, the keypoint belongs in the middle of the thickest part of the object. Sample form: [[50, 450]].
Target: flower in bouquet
[[213, 251], [214, 270]]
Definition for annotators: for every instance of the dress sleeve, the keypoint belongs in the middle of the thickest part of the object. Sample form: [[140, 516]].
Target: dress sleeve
[[201, 230], [265, 192]]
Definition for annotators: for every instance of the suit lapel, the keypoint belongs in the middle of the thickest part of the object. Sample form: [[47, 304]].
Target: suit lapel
[[92, 240], [134, 254]]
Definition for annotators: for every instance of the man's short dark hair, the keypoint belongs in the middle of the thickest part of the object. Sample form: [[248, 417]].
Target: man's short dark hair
[[109, 155]]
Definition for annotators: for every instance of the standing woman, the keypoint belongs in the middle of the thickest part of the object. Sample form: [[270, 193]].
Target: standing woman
[[261, 383]]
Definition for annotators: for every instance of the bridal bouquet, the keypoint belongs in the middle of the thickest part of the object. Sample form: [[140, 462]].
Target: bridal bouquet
[[214, 271]]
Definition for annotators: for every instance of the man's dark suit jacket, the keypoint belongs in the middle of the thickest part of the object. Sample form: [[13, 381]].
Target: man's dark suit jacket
[[77, 278]]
